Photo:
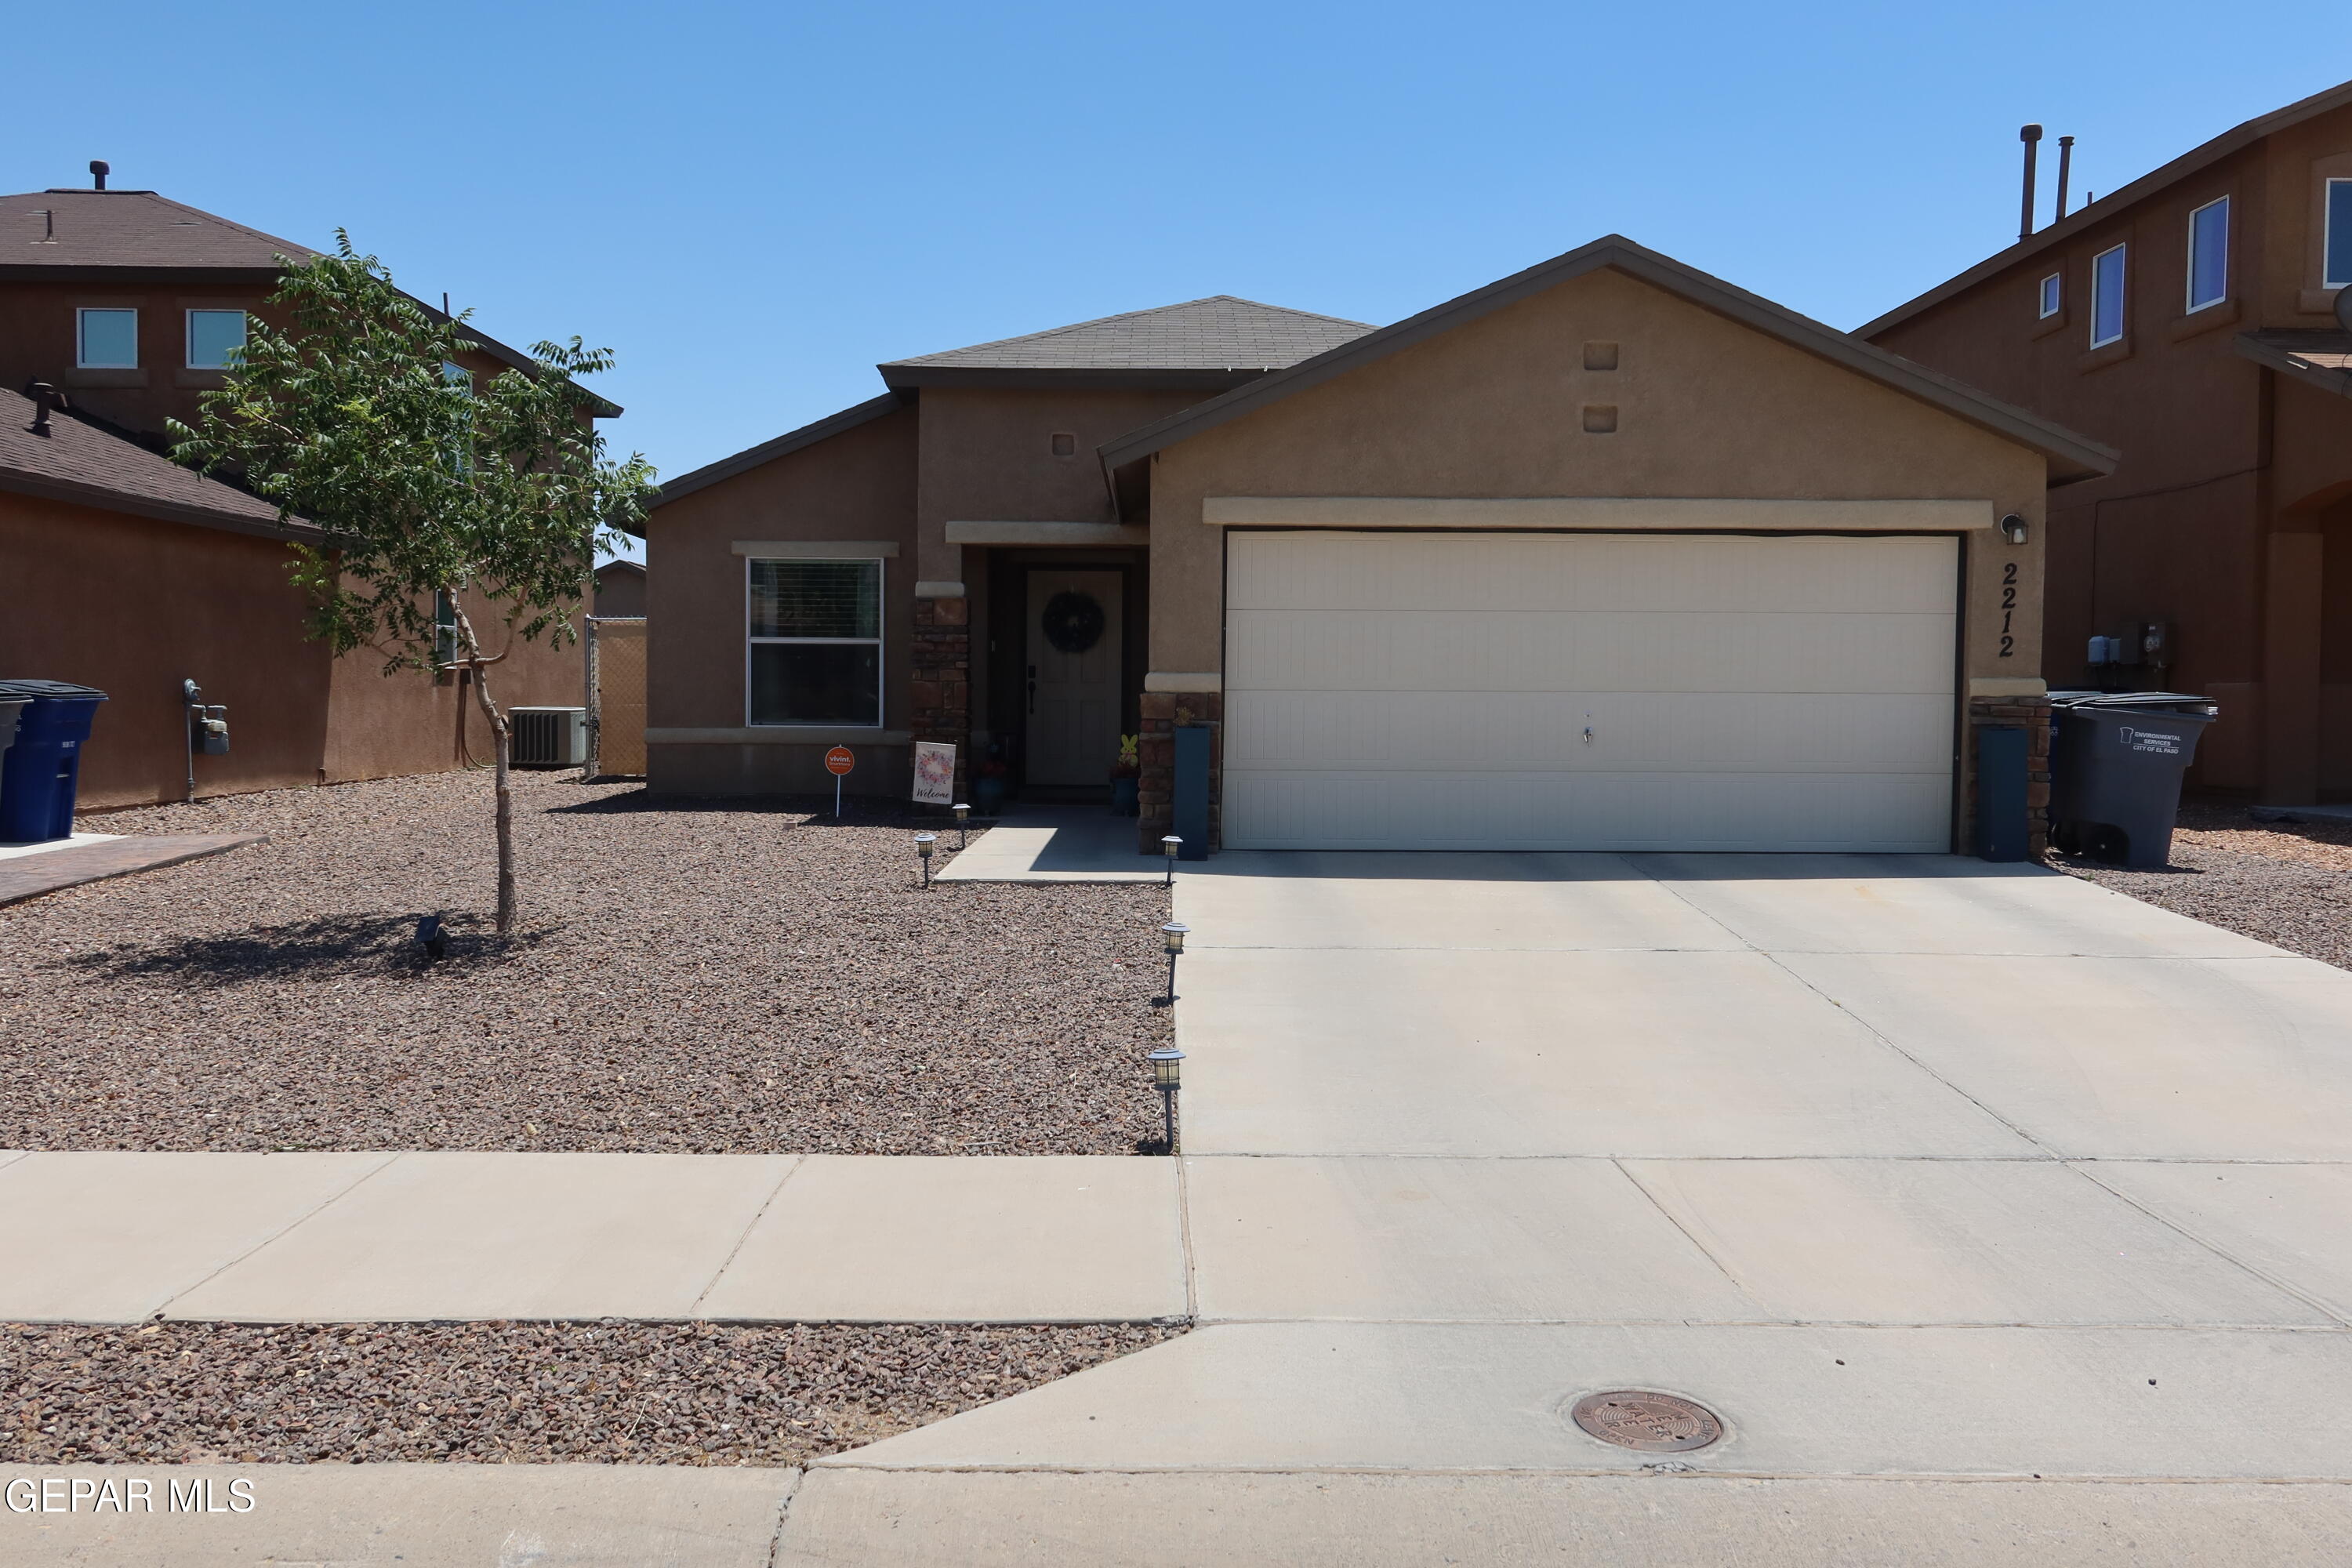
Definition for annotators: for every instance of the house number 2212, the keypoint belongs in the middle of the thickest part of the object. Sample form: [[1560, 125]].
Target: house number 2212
[[2008, 607]]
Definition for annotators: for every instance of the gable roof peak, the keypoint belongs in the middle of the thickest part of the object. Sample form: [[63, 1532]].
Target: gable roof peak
[[2072, 457]]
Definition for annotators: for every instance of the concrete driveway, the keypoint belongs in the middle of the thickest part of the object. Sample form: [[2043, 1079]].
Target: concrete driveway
[[1983, 1204]]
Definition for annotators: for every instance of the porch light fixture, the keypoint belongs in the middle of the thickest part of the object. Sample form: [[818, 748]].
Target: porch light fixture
[[1168, 1076], [1170, 846], [1171, 939], [924, 842], [963, 818], [2012, 528]]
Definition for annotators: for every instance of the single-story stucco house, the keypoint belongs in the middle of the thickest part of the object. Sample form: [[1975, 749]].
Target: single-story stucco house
[[1609, 554]]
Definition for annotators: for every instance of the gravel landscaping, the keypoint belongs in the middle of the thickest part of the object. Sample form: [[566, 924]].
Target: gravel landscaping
[[647, 1393], [2284, 883], [689, 976]]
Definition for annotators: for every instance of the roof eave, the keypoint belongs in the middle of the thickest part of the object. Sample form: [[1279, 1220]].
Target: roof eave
[[769, 451], [102, 498], [2288, 364], [1043, 378]]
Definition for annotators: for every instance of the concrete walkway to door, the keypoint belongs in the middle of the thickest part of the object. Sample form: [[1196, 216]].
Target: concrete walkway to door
[[1950, 1187]]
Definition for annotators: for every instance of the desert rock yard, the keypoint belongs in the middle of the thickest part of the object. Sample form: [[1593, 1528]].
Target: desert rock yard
[[2288, 883], [703, 977], [663, 1394]]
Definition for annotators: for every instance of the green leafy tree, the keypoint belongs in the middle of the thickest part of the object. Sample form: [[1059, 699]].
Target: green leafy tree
[[433, 491]]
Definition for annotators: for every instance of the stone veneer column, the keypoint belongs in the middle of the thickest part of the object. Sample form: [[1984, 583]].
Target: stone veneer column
[[1155, 792], [940, 680], [2031, 714]]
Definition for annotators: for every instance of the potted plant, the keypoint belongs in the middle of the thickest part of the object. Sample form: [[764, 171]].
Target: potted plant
[[988, 782], [1124, 776]]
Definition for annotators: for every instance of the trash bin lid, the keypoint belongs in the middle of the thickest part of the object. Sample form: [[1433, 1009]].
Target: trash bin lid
[[2160, 702], [33, 690]]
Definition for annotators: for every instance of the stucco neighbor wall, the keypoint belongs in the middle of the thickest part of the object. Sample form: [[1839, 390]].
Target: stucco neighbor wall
[[856, 485], [1705, 407], [133, 606]]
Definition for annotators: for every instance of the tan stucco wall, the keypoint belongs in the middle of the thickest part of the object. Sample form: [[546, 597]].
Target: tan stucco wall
[[133, 606], [1493, 409], [987, 456], [856, 485]]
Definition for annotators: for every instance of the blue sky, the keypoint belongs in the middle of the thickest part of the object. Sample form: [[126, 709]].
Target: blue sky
[[753, 203]]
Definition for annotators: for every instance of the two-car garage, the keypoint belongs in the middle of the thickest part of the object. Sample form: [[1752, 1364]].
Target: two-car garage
[[1546, 690], [1606, 556]]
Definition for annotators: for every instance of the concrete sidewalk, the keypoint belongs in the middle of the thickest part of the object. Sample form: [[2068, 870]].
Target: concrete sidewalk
[[118, 1237], [28, 870], [1055, 843]]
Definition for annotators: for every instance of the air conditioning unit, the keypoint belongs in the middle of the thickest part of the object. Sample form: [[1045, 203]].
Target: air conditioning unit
[[549, 737]]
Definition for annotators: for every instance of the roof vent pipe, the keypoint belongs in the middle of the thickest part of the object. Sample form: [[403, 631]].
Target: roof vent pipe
[[97, 173], [2031, 136], [2065, 166]]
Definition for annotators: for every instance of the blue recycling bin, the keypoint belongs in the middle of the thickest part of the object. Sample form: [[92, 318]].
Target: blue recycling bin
[[40, 773]]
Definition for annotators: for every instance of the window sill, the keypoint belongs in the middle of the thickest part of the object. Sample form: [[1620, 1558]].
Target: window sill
[[2108, 355], [104, 378], [2316, 302], [2046, 325], [200, 378], [2224, 314]]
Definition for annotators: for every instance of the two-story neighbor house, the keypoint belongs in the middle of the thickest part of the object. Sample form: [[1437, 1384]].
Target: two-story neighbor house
[[122, 577], [2186, 319], [1607, 554]]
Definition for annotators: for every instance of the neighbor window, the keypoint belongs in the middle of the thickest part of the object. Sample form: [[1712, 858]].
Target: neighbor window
[[2107, 297], [2209, 254], [215, 337], [2053, 294], [2339, 236], [816, 642], [108, 340]]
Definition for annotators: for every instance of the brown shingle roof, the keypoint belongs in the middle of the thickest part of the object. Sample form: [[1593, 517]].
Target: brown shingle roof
[[82, 464], [129, 228], [1218, 333]]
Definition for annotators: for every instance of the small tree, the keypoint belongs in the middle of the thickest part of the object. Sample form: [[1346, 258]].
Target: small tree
[[357, 418]]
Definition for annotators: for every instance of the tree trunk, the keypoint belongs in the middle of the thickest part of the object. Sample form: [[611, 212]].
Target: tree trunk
[[503, 735]]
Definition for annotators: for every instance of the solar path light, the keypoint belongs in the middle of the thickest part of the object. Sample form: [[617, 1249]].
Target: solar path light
[[1171, 845], [964, 816], [1168, 1076], [923, 845], [1172, 938]]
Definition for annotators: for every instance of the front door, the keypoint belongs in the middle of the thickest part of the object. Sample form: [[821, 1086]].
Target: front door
[[1072, 676]]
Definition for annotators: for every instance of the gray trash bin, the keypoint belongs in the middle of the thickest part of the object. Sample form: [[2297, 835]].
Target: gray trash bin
[[2115, 761]]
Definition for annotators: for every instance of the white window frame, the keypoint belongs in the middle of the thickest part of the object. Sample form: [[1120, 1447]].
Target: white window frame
[[2123, 295], [2335, 271], [2192, 304], [81, 336], [881, 656], [188, 333], [2052, 295]]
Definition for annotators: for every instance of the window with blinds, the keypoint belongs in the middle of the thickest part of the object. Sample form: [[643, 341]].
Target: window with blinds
[[816, 655]]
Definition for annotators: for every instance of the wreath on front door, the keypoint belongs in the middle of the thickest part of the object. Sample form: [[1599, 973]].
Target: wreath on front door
[[1073, 621]]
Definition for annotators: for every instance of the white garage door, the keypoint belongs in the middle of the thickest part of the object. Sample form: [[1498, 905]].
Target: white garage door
[[1589, 691]]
